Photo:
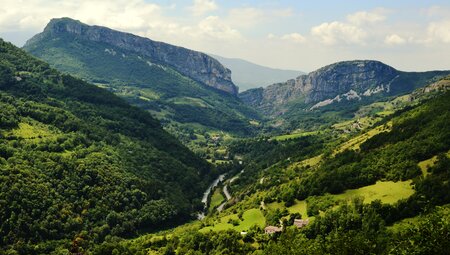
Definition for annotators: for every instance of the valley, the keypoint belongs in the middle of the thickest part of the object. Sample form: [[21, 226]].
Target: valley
[[114, 143]]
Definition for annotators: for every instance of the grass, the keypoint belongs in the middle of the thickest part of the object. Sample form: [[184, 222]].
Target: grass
[[408, 222], [404, 224], [388, 192], [190, 101], [254, 123], [250, 217], [308, 162], [31, 130], [275, 205], [294, 135], [299, 207], [354, 143], [424, 165], [216, 199]]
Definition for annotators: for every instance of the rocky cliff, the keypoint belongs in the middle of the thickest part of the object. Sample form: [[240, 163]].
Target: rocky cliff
[[349, 79], [193, 64]]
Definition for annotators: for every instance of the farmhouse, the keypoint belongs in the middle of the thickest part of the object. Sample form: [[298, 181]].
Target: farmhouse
[[299, 223], [272, 229]]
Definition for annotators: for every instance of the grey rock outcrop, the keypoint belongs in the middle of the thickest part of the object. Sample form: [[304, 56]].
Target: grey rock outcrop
[[193, 64], [359, 76]]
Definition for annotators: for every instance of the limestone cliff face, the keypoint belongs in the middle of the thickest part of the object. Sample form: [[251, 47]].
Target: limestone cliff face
[[193, 64], [355, 78]]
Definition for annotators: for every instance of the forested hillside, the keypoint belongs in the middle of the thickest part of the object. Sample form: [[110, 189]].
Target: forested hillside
[[78, 164], [141, 71], [382, 191]]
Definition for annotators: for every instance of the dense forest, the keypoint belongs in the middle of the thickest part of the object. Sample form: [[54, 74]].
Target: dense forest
[[78, 164]]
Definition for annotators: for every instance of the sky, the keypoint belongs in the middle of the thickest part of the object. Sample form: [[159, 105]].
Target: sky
[[411, 35]]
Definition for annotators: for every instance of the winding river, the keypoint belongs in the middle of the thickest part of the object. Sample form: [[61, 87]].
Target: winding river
[[221, 177]]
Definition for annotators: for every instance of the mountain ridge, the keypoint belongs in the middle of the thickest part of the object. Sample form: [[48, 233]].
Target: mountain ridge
[[210, 71], [357, 79]]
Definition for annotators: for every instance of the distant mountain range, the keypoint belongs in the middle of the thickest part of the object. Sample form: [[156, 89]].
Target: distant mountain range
[[248, 75], [191, 92]]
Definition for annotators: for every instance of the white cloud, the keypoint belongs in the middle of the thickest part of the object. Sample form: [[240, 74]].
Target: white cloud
[[213, 27], [294, 37], [249, 17], [245, 17], [236, 29], [271, 36], [351, 31], [201, 7], [336, 32], [282, 13], [437, 11], [135, 16], [364, 17], [119, 14], [439, 31], [394, 39]]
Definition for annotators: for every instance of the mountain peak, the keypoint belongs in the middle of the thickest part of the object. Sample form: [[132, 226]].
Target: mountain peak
[[355, 65], [61, 25]]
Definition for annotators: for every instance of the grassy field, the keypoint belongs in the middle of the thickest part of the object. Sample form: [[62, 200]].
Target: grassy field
[[216, 199], [294, 135], [354, 143], [424, 165], [190, 101], [388, 192], [299, 207], [405, 223], [250, 217], [31, 130], [307, 162]]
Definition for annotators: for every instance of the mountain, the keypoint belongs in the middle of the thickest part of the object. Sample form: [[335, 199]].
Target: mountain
[[248, 75], [78, 163], [340, 88], [188, 91], [193, 64]]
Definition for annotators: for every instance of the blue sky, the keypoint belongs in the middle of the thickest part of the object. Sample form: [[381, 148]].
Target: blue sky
[[300, 35]]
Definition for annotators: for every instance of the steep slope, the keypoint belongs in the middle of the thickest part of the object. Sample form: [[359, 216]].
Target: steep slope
[[248, 75], [79, 163], [335, 91], [177, 85]]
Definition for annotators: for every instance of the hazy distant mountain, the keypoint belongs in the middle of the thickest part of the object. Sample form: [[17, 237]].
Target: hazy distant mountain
[[248, 75]]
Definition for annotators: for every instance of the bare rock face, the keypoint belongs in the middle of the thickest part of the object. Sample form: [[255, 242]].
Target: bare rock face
[[361, 77], [193, 64]]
